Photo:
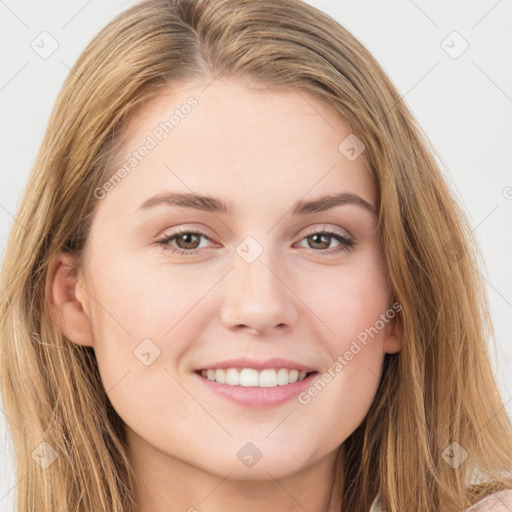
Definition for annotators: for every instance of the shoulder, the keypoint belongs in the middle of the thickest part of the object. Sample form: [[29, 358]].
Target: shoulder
[[498, 502]]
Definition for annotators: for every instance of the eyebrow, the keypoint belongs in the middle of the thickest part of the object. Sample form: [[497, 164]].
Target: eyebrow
[[214, 205]]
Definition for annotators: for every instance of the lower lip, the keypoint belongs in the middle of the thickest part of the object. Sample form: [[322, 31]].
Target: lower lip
[[256, 396]]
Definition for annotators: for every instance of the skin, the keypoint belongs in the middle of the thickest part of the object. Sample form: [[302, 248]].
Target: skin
[[300, 299]]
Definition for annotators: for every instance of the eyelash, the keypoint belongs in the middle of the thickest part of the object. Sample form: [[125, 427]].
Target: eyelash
[[347, 244]]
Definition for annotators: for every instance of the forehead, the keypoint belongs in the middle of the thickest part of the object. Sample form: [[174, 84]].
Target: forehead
[[224, 138]]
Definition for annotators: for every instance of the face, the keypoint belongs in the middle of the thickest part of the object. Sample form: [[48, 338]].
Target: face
[[172, 286]]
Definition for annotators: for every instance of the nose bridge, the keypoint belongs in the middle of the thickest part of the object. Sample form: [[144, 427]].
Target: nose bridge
[[257, 296]]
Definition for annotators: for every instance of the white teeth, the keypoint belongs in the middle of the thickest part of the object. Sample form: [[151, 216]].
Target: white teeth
[[232, 377], [282, 376], [249, 377], [220, 376], [268, 379], [294, 376]]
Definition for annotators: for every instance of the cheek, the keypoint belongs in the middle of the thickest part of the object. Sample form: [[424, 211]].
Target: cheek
[[351, 301], [345, 393], [139, 315], [142, 326], [355, 306], [138, 297], [344, 390]]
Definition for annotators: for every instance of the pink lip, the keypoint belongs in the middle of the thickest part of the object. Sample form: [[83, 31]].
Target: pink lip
[[275, 362], [256, 397]]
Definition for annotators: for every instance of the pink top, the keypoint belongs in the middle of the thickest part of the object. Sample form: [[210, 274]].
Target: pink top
[[498, 502]]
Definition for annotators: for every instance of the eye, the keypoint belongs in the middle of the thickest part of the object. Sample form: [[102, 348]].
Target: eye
[[188, 241], [322, 240]]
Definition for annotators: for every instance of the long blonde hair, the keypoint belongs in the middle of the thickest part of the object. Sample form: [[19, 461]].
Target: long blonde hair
[[437, 391]]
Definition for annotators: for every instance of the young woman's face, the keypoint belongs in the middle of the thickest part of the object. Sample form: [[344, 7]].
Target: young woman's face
[[255, 283]]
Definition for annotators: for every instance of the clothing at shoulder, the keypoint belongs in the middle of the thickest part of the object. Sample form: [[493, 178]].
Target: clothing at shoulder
[[498, 502]]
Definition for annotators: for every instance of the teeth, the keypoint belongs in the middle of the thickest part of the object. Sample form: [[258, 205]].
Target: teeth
[[268, 378], [232, 377], [249, 377], [219, 376]]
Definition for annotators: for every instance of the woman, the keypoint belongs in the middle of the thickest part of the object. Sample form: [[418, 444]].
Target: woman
[[239, 281]]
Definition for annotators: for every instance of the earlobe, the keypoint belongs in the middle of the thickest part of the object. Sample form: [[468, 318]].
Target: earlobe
[[66, 300], [393, 340]]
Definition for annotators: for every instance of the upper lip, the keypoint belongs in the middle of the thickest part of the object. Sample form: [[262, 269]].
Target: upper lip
[[243, 362]]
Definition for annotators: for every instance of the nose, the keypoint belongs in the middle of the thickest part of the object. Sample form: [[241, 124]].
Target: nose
[[258, 297]]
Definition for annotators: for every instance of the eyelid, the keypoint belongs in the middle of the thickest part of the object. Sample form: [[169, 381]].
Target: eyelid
[[346, 243], [325, 227], [303, 232], [188, 228]]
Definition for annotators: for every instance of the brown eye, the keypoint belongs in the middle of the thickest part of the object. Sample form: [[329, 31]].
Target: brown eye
[[321, 239], [183, 242], [191, 241]]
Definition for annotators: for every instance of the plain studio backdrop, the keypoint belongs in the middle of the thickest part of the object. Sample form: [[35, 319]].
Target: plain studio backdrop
[[450, 61]]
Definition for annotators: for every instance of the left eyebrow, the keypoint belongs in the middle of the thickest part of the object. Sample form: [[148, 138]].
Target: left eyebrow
[[215, 205], [327, 202]]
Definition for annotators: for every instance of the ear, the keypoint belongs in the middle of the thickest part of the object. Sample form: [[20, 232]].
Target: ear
[[393, 338], [66, 299]]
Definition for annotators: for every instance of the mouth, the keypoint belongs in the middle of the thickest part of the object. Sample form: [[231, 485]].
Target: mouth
[[256, 388], [253, 378]]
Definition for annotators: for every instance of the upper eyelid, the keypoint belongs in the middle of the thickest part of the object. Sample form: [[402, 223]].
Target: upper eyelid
[[318, 227], [324, 227], [305, 232]]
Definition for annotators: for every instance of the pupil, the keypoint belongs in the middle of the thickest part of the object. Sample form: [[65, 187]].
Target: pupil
[[318, 235], [187, 237]]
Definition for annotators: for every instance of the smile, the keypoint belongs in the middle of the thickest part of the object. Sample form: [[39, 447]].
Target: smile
[[250, 377]]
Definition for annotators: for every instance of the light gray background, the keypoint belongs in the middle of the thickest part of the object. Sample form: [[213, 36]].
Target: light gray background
[[464, 104]]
